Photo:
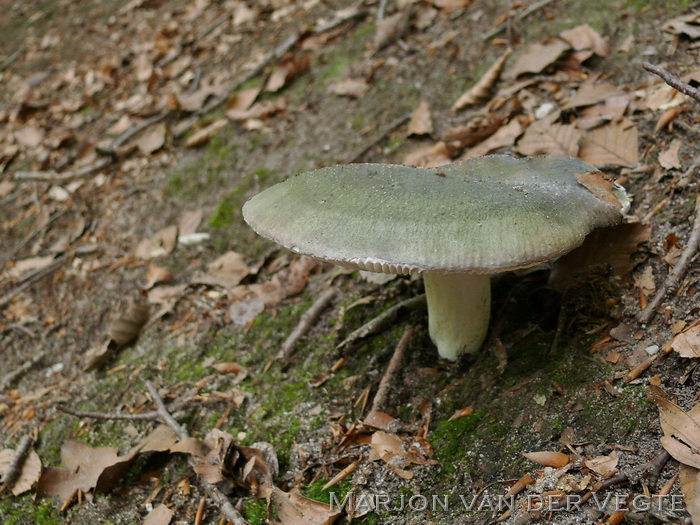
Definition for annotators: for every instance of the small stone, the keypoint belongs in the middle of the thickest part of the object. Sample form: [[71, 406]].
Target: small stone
[[652, 349]]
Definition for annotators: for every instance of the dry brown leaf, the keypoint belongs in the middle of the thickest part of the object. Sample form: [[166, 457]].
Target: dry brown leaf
[[26, 266], [504, 137], [204, 135], [430, 156], [390, 29], [128, 325], [243, 100], [644, 280], [600, 185], [160, 515], [681, 429], [687, 343], [536, 57], [189, 222], [162, 243], [450, 6], [606, 466], [482, 88], [28, 476], [462, 412], [30, 135], [156, 275], [195, 101], [227, 368], [153, 140], [593, 116], [690, 486], [669, 157], [548, 459], [421, 122], [615, 144], [296, 509], [688, 25], [544, 137], [593, 92], [226, 271], [350, 87], [662, 96], [476, 130], [585, 41], [165, 294], [287, 71], [259, 110]]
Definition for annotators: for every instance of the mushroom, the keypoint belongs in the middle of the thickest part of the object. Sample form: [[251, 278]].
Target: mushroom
[[455, 224]]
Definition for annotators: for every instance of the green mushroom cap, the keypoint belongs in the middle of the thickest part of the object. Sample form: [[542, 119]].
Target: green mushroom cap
[[483, 215]]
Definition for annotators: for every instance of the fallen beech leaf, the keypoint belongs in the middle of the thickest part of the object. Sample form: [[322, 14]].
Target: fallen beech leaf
[[350, 87], [226, 271], [644, 280], [421, 122], [259, 110], [611, 109], [462, 412], [160, 515], [668, 159], [548, 459], [593, 92], [606, 466], [152, 140], [663, 96], [681, 429], [450, 6], [227, 368], [287, 71], [430, 156], [295, 509], [28, 476], [600, 185], [162, 243], [205, 134], [504, 137], [690, 486], [30, 135], [26, 266], [155, 275], [128, 325], [545, 137], [243, 100], [189, 222], [482, 88], [476, 130], [390, 29], [688, 25], [165, 294], [615, 144], [536, 57], [585, 41], [687, 343]]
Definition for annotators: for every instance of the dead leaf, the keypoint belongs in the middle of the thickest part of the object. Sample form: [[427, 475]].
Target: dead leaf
[[259, 110], [296, 509], [606, 466], [600, 185], [128, 325], [350, 87], [462, 412], [421, 122], [227, 368], [205, 134], [482, 88], [545, 137], [536, 57], [611, 109], [162, 243], [287, 71], [681, 429], [30, 135], [189, 222], [662, 96], [28, 476], [645, 281], [548, 459], [153, 140], [504, 137], [593, 92], [690, 486], [669, 157], [390, 29], [156, 275], [687, 343], [165, 294], [226, 271], [243, 99], [25, 267], [615, 144], [688, 25], [430, 156], [585, 41], [160, 515]]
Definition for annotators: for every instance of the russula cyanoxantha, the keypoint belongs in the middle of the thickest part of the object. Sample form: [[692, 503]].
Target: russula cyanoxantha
[[455, 224]]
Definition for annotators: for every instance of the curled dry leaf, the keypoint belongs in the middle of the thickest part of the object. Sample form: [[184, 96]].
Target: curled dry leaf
[[156, 275], [259, 110], [548, 459], [482, 88], [227, 368], [127, 326], [350, 87], [690, 486], [28, 476], [615, 144], [688, 25], [160, 515], [687, 343], [205, 134], [503, 138], [430, 156], [162, 243], [390, 29], [681, 429], [606, 466], [536, 57], [585, 41], [243, 100], [462, 412], [152, 140], [296, 509], [546, 137], [421, 122], [287, 71], [593, 92], [668, 158], [226, 271]]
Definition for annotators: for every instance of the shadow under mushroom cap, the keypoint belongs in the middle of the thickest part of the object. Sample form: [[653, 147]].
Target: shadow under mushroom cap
[[483, 215]]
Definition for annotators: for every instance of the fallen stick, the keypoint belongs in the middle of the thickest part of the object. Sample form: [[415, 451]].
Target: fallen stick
[[382, 321], [673, 81], [59, 178], [127, 135], [678, 271], [32, 278], [101, 415], [227, 508], [305, 323], [15, 469], [12, 377], [394, 365]]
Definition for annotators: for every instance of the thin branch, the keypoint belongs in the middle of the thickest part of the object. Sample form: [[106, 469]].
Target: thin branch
[[305, 323], [395, 364], [101, 415], [11, 378], [32, 278], [15, 469], [675, 275], [382, 321], [227, 509], [381, 10], [673, 81], [127, 135], [59, 178]]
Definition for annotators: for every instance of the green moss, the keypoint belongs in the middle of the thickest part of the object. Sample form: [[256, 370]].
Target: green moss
[[447, 440], [255, 511], [229, 208], [316, 492], [23, 511]]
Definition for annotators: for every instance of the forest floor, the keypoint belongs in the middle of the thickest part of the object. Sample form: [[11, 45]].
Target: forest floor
[[131, 134]]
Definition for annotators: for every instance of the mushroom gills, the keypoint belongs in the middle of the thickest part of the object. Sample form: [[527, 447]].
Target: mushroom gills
[[459, 307]]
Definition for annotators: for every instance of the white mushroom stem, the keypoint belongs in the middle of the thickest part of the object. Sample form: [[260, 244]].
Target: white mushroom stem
[[459, 307]]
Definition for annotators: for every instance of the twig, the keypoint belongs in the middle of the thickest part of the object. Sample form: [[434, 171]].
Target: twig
[[383, 321], [12, 58], [673, 81], [391, 370], [32, 278], [127, 135], [36, 231], [15, 468], [521, 16], [57, 178], [391, 127], [12, 377], [678, 271], [305, 323], [227, 509], [381, 10], [102, 415]]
